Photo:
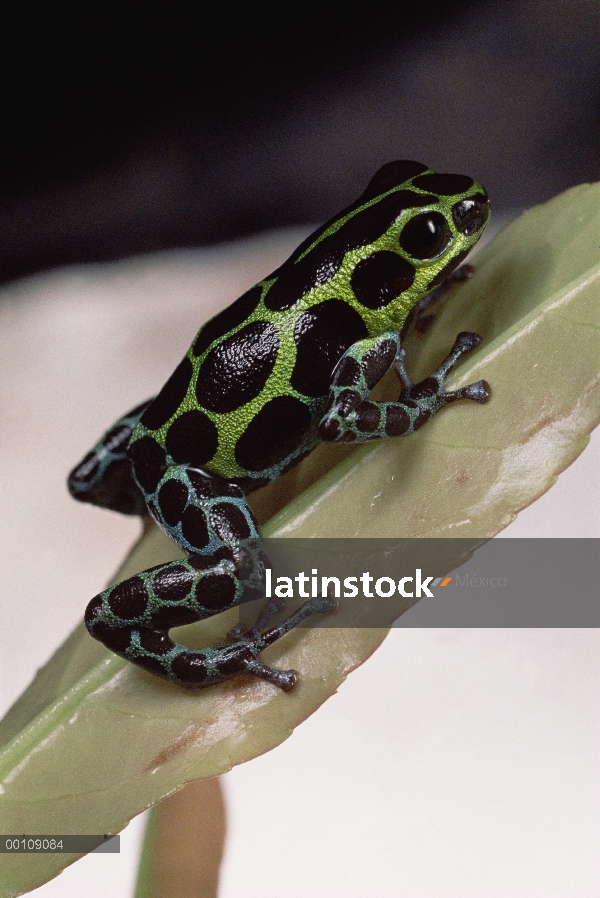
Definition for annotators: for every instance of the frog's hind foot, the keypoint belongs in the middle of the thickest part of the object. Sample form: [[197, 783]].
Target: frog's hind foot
[[285, 679], [267, 611], [318, 605]]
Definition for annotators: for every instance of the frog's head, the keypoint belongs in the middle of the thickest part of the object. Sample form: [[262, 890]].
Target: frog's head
[[440, 218], [432, 222], [404, 235]]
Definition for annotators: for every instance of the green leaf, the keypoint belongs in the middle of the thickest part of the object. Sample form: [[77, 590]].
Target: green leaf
[[94, 741]]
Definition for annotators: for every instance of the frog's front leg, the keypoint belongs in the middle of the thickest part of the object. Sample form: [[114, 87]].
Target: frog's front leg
[[211, 520], [105, 476], [350, 415], [423, 318]]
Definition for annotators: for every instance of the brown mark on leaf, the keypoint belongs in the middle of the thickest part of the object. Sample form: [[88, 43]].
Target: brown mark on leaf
[[544, 422], [192, 734]]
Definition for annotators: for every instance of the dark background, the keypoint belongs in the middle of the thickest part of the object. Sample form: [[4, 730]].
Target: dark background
[[126, 133]]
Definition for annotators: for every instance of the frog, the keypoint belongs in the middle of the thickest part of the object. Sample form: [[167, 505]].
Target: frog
[[289, 364]]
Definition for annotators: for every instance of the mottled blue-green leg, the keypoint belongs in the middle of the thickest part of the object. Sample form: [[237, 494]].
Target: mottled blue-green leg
[[351, 416], [210, 519], [105, 477]]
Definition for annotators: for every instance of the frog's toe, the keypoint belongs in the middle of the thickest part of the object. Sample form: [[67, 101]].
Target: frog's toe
[[286, 680], [272, 607], [466, 341], [237, 632], [323, 605], [479, 391]]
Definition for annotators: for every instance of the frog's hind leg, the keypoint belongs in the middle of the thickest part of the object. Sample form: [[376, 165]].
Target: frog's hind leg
[[211, 520], [105, 477]]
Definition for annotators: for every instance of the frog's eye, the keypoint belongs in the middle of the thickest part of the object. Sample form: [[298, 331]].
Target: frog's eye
[[470, 215], [426, 235]]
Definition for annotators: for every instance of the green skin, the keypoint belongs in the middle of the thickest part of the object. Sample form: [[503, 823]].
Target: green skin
[[291, 363]]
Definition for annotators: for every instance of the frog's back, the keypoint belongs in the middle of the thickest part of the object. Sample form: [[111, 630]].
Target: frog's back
[[246, 400]]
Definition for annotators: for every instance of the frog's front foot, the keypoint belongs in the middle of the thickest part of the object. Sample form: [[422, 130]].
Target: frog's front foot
[[429, 394], [350, 414]]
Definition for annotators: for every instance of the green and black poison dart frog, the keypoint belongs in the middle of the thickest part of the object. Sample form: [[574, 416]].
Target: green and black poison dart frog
[[290, 363]]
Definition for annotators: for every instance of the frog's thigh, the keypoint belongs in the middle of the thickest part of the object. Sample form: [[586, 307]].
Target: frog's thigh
[[133, 618], [211, 520], [200, 511]]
